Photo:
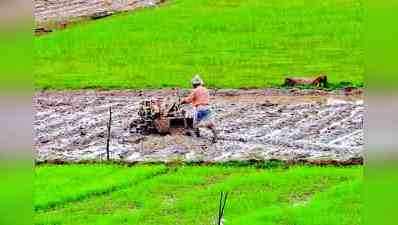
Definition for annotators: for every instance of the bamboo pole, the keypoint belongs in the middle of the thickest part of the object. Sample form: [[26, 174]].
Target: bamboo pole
[[109, 134]]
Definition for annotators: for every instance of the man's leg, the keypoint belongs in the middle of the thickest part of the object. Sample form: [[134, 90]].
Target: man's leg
[[195, 127]]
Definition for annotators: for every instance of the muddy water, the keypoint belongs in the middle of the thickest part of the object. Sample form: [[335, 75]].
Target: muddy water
[[289, 125]]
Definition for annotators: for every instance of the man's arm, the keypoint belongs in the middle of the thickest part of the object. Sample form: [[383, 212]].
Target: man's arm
[[189, 99]]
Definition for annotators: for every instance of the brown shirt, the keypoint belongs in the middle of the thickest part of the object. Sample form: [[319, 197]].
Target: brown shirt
[[199, 96]]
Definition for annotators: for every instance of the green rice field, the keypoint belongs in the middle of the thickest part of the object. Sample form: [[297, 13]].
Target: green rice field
[[232, 43], [189, 195]]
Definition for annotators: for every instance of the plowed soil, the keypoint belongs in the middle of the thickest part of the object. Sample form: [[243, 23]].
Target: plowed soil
[[290, 125]]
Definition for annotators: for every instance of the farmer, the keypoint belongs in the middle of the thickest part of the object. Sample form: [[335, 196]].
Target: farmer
[[199, 99]]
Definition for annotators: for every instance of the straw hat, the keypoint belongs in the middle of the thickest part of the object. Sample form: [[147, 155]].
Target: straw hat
[[196, 80]]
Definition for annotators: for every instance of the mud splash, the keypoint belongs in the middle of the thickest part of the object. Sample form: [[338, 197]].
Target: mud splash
[[289, 125]]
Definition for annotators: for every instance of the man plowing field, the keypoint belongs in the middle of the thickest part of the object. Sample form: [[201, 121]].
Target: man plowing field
[[157, 117], [199, 99]]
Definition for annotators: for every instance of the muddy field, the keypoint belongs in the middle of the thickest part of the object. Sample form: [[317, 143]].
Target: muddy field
[[290, 125]]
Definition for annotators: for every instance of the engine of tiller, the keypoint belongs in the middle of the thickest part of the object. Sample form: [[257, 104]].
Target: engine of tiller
[[155, 117]]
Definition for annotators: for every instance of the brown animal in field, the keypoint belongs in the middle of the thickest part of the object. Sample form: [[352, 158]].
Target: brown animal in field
[[320, 81]]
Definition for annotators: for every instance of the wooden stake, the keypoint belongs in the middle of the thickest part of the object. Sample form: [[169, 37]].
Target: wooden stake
[[109, 134]]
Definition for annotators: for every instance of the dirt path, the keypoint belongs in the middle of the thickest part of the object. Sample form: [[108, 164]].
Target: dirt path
[[289, 125]]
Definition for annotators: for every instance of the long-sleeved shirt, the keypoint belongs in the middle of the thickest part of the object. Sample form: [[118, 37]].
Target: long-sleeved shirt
[[199, 96]]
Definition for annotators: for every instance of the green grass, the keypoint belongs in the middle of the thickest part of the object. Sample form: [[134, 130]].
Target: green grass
[[72, 183], [188, 195], [232, 43]]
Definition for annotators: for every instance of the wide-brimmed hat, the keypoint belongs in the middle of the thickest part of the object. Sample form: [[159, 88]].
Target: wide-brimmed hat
[[196, 80]]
